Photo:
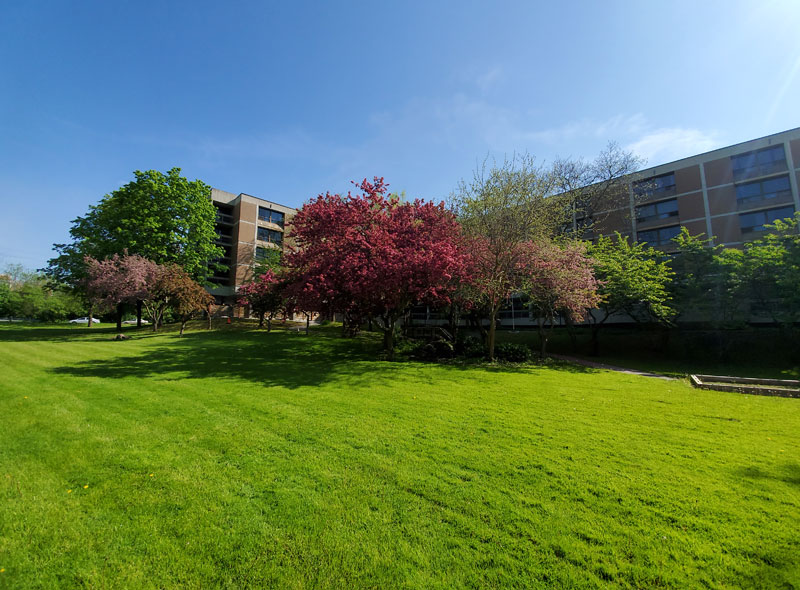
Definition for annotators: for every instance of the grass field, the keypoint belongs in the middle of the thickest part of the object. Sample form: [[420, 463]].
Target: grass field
[[242, 459]]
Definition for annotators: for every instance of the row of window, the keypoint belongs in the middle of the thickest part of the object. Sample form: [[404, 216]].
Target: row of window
[[759, 163], [753, 221], [270, 235], [658, 186], [763, 190], [659, 237], [660, 210], [747, 194], [271, 216]]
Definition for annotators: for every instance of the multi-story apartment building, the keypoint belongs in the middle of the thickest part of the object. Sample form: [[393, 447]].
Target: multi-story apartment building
[[248, 228], [728, 194]]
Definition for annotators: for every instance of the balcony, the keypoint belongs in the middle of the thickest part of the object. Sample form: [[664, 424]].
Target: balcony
[[224, 218], [224, 237]]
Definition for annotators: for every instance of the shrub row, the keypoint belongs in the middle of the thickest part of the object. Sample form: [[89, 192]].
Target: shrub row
[[470, 347]]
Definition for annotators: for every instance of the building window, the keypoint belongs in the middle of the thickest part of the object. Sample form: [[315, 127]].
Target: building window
[[660, 210], [270, 216], [581, 226], [516, 308], [659, 237], [763, 190], [759, 163], [270, 235], [658, 186], [756, 220]]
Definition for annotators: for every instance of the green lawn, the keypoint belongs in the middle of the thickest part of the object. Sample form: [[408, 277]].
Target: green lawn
[[244, 459]]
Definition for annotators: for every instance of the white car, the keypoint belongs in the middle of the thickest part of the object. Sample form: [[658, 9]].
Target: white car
[[84, 321], [133, 322]]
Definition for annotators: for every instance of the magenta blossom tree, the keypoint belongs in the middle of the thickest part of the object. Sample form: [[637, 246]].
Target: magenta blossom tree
[[371, 255], [265, 297]]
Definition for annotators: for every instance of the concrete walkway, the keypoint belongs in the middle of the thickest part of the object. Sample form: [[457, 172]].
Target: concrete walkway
[[594, 365]]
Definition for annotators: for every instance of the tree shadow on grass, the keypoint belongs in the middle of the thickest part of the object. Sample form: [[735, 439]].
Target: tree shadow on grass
[[503, 367], [31, 333], [272, 359], [284, 359], [788, 473]]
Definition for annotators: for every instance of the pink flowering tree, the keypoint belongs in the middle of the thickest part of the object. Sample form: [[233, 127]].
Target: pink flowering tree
[[265, 297], [371, 255], [559, 279], [115, 281], [498, 271], [132, 278]]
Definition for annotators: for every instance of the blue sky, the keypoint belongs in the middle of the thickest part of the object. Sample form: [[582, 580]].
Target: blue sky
[[285, 101]]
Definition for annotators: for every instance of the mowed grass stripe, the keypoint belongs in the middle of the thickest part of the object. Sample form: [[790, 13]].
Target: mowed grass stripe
[[299, 462]]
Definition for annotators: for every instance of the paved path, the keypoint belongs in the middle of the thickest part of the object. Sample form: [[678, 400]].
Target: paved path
[[585, 363]]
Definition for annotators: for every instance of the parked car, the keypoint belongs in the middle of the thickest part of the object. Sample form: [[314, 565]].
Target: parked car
[[133, 322], [84, 321]]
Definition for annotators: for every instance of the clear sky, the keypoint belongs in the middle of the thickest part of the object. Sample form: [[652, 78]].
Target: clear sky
[[287, 100]]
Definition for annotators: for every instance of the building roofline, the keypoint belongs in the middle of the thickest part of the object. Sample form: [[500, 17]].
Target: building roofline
[[723, 151], [233, 197]]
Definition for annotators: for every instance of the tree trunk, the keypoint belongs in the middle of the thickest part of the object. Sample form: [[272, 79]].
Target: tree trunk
[[183, 326], [120, 309], [595, 340], [573, 337], [269, 324], [138, 313], [308, 322], [492, 331], [91, 319], [208, 314], [663, 339], [596, 333], [261, 319], [476, 321], [545, 335], [388, 338], [542, 337], [453, 320]]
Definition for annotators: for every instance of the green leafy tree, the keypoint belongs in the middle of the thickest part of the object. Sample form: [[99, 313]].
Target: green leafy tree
[[27, 294], [771, 268], [7, 298], [634, 280], [161, 216], [709, 281]]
